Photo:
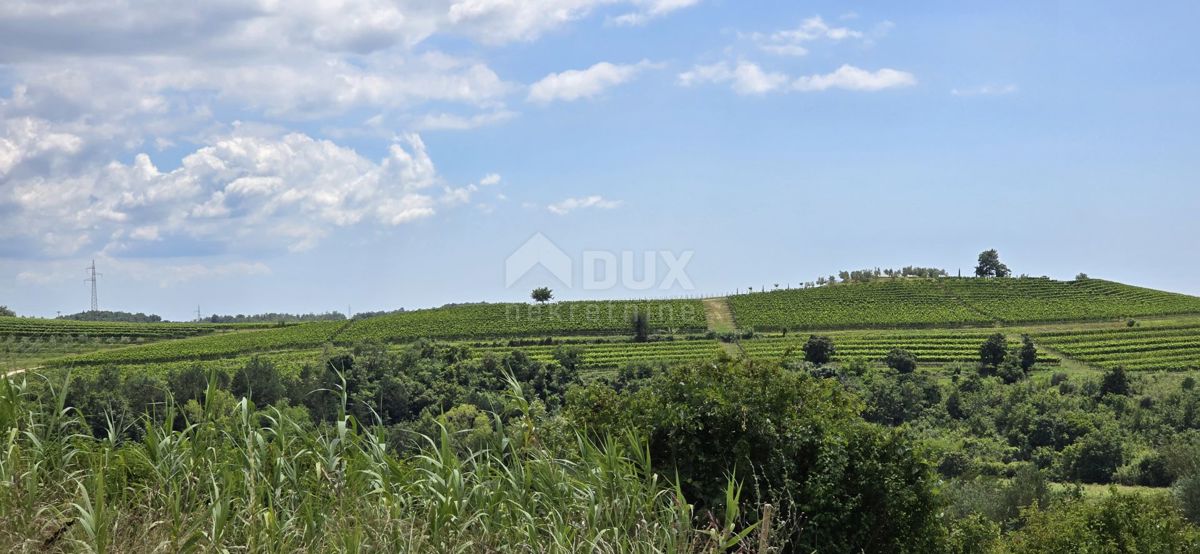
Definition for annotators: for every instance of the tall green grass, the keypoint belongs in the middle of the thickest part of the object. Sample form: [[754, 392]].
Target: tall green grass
[[234, 478]]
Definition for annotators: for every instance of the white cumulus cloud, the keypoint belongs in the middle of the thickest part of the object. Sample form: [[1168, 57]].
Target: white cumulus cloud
[[575, 84], [750, 78], [241, 192], [791, 42], [852, 78], [647, 10], [571, 204]]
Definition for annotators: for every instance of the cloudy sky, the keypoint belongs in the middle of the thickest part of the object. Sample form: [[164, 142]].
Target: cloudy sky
[[311, 155]]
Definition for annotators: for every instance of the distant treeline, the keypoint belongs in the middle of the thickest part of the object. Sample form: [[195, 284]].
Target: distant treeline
[[872, 274], [104, 315], [274, 317], [865, 275], [366, 315]]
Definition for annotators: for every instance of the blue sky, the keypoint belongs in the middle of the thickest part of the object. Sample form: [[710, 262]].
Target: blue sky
[[307, 156]]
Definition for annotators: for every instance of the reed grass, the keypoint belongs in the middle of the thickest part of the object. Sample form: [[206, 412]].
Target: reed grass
[[238, 479]]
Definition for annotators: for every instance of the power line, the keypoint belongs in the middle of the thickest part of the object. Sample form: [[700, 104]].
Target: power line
[[92, 279]]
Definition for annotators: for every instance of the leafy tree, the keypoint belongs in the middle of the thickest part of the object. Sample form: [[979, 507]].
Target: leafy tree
[[893, 400], [1187, 493], [818, 350], [901, 360], [5, 312], [1010, 369], [954, 406], [260, 381], [641, 326], [1115, 381], [98, 399], [1028, 353], [1152, 471], [990, 266], [993, 350], [1095, 457], [1081, 277], [542, 294], [191, 383], [569, 356]]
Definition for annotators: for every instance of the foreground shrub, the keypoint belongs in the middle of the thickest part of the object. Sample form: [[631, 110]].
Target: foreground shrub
[[843, 485], [1187, 493], [1115, 523]]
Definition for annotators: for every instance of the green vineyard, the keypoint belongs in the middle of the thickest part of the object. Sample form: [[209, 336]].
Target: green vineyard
[[950, 302], [611, 355], [940, 320], [1030, 300], [83, 330], [930, 347], [884, 303], [514, 320], [1168, 347], [304, 335]]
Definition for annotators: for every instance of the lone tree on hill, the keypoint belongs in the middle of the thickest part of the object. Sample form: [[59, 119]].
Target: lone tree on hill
[[818, 350], [990, 266], [542, 294], [5, 312]]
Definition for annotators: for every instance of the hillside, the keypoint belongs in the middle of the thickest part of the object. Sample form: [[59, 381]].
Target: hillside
[[933, 309], [26, 342], [950, 302], [511, 319], [703, 374]]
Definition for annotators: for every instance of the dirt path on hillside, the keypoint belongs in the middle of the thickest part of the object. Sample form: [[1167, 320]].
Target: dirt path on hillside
[[720, 320], [718, 315]]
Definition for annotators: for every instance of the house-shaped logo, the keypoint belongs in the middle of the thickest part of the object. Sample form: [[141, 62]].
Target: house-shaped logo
[[538, 251]]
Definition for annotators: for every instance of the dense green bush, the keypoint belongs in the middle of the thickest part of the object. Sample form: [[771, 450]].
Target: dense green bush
[[993, 350], [894, 398], [797, 442], [1187, 493], [1115, 382], [1115, 523], [1095, 457], [818, 350], [901, 360], [260, 381]]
